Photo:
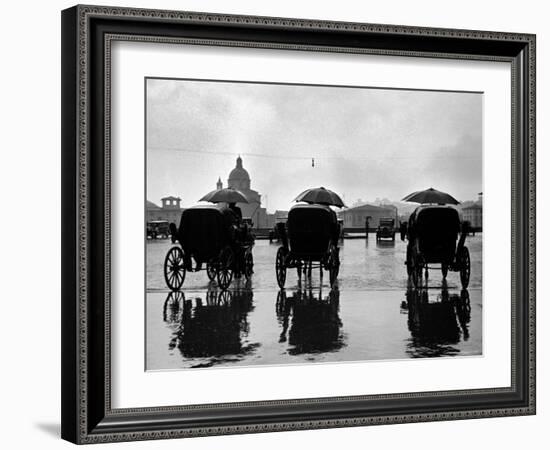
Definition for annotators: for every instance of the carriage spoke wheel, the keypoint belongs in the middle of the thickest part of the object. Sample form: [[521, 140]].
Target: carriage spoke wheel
[[280, 267], [248, 265], [464, 261], [212, 269], [225, 268], [174, 270]]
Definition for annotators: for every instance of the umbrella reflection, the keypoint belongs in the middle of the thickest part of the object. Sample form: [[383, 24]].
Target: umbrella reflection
[[310, 323], [215, 327], [436, 326]]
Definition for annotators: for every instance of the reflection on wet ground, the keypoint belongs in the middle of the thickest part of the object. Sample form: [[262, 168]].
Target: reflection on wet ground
[[255, 323], [437, 327], [211, 327], [310, 323]]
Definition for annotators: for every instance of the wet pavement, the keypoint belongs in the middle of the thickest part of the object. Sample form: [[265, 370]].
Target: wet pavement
[[371, 314]]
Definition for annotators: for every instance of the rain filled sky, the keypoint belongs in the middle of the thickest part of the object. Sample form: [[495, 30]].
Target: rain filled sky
[[365, 143]]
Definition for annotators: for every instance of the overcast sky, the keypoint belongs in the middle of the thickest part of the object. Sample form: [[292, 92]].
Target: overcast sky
[[366, 143]]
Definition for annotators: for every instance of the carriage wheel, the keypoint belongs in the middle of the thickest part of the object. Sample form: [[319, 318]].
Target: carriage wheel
[[248, 265], [280, 267], [444, 270], [212, 269], [464, 264], [174, 270], [225, 268]]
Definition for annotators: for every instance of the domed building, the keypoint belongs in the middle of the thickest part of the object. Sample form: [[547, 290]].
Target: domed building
[[240, 179]]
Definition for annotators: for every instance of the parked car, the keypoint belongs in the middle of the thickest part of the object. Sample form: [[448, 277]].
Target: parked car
[[158, 229], [386, 229]]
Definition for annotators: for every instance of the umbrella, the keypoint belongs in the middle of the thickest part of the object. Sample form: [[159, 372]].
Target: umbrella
[[320, 195], [227, 195], [431, 196]]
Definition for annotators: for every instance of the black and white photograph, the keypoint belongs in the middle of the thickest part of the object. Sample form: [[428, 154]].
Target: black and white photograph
[[275, 225], [299, 224]]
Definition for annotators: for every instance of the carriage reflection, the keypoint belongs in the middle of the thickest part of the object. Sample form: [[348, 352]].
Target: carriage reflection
[[436, 324], [173, 306], [310, 321], [382, 244], [211, 328]]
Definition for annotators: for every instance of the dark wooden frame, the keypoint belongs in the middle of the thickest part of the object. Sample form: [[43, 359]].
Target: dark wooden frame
[[87, 32]]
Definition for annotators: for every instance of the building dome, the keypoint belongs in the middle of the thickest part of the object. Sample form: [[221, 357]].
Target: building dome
[[238, 177]]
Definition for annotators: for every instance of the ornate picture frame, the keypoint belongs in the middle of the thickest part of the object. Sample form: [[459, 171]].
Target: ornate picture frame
[[87, 35]]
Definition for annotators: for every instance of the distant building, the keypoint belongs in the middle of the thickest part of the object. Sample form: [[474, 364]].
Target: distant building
[[474, 215], [170, 210], [240, 179], [152, 210], [473, 212], [276, 217], [356, 216]]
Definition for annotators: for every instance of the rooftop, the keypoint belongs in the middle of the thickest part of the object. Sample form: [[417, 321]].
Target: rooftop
[[370, 206]]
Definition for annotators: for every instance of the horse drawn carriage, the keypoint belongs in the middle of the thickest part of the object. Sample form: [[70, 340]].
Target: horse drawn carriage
[[309, 240], [432, 235], [210, 235]]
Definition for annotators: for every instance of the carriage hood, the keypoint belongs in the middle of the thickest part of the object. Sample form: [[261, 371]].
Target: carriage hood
[[443, 214]]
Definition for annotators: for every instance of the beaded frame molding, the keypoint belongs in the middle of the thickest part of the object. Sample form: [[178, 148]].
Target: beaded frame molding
[[87, 35]]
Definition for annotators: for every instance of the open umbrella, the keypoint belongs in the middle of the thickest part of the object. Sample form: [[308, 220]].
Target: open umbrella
[[431, 196], [320, 195], [227, 195]]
